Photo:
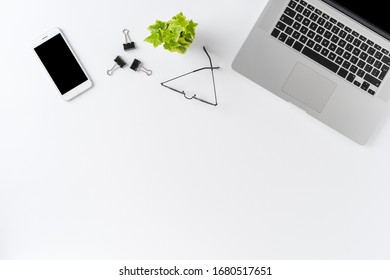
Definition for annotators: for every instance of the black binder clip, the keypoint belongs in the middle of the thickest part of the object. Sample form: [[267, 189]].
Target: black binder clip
[[137, 66], [119, 63], [128, 45]]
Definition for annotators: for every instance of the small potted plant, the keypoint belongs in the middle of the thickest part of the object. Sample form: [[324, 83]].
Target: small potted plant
[[176, 35]]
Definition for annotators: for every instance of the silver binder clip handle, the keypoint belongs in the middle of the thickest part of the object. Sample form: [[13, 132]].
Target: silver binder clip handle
[[109, 72], [143, 69], [127, 36]]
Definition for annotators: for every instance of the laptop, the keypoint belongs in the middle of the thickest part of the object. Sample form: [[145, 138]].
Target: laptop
[[329, 57]]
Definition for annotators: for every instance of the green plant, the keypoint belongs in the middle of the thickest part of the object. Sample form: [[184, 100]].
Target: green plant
[[176, 34]]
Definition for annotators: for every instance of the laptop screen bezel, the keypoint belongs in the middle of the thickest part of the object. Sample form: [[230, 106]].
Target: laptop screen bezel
[[358, 18]]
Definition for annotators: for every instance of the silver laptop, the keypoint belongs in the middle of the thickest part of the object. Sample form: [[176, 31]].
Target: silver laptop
[[330, 58]]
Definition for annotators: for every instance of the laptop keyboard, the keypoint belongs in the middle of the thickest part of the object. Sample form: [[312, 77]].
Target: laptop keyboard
[[334, 45]]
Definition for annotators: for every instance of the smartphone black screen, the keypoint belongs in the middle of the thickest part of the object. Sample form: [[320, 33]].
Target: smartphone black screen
[[61, 64]]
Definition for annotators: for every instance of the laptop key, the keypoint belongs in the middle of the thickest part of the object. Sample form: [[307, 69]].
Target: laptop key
[[304, 30], [371, 51], [282, 37], [328, 25], [377, 64], [296, 35], [317, 48], [353, 69], [378, 55], [368, 68], [340, 51], [385, 70], [354, 59], [320, 30], [386, 60], [292, 4], [298, 46], [332, 56], [335, 29], [349, 47], [375, 72], [275, 33], [325, 16], [281, 26], [364, 46], [346, 64], [339, 60], [332, 47], [363, 56], [290, 41], [321, 21], [342, 34], [328, 34], [311, 34], [289, 30], [299, 8], [325, 43], [303, 39], [347, 55], [313, 26], [372, 80], [290, 12], [320, 59], [365, 86], [314, 17], [306, 13], [371, 60], [318, 38], [357, 42], [306, 22], [360, 73], [299, 17], [286, 20], [325, 52], [361, 63], [350, 38], [342, 72], [351, 77], [354, 33], [310, 43]]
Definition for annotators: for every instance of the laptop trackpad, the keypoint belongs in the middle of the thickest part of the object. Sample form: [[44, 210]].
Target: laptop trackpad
[[309, 87]]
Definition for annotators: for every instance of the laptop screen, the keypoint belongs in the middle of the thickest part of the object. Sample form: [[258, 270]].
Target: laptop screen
[[372, 14]]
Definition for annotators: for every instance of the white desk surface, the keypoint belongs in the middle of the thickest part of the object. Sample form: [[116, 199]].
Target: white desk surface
[[132, 170]]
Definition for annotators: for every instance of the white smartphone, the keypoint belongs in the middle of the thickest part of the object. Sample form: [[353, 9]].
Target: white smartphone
[[61, 64]]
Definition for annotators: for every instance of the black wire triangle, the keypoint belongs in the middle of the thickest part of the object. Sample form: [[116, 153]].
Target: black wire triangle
[[214, 103]]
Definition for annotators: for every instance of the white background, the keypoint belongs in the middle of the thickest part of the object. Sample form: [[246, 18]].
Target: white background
[[132, 170]]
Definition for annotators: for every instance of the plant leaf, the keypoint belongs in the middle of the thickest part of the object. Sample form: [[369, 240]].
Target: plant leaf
[[155, 39], [177, 34]]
